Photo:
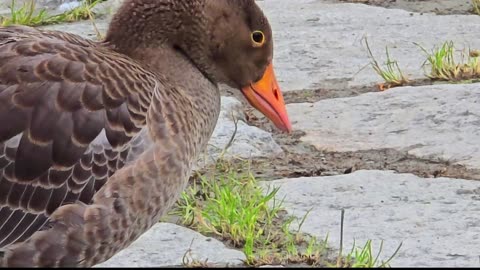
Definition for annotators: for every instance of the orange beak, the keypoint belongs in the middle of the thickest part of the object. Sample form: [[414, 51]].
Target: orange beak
[[265, 96]]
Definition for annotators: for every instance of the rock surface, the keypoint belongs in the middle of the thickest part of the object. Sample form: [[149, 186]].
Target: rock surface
[[436, 219], [319, 45], [440, 7], [434, 122], [324, 48], [81, 28], [52, 6], [167, 244], [249, 141]]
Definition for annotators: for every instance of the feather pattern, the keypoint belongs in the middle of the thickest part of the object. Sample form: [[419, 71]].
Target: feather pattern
[[69, 123], [89, 149], [98, 139]]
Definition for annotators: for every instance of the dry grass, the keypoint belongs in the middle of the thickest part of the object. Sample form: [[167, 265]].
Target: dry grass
[[448, 64], [476, 6], [390, 71]]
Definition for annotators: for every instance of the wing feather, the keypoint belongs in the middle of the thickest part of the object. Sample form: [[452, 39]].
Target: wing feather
[[69, 109]]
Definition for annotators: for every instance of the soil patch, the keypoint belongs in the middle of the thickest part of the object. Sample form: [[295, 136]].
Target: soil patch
[[304, 160], [314, 95]]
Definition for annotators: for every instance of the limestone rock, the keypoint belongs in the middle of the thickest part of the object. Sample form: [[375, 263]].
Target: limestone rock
[[436, 219]]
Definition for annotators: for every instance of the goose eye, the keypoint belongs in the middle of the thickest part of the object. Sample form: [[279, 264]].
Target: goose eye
[[258, 38]]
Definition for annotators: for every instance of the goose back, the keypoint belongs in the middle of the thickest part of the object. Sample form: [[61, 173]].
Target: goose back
[[68, 114]]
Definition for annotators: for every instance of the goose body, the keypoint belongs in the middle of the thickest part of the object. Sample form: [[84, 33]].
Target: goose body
[[97, 139]]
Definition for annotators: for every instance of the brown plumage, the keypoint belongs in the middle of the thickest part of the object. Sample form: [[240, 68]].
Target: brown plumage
[[79, 178]]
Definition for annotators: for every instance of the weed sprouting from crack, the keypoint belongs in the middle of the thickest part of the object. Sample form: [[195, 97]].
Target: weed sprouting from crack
[[476, 6], [445, 65], [228, 203], [391, 72], [361, 257], [189, 262], [29, 16]]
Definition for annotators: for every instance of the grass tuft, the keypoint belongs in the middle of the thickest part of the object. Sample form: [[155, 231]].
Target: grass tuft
[[27, 14], [390, 72], [445, 67], [364, 257], [82, 12], [232, 206], [360, 257], [24, 15], [226, 201], [476, 6], [228, 204]]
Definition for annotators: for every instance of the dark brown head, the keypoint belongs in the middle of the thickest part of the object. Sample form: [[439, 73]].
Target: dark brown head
[[241, 46], [240, 40], [228, 40]]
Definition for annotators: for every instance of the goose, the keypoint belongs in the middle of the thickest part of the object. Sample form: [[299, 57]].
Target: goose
[[78, 181]]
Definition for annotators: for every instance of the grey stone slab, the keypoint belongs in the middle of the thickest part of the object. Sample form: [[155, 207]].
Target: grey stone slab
[[81, 28], [249, 141], [433, 122], [437, 220], [167, 244], [318, 44]]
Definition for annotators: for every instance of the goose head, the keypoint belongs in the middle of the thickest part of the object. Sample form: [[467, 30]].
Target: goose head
[[229, 41], [241, 46]]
